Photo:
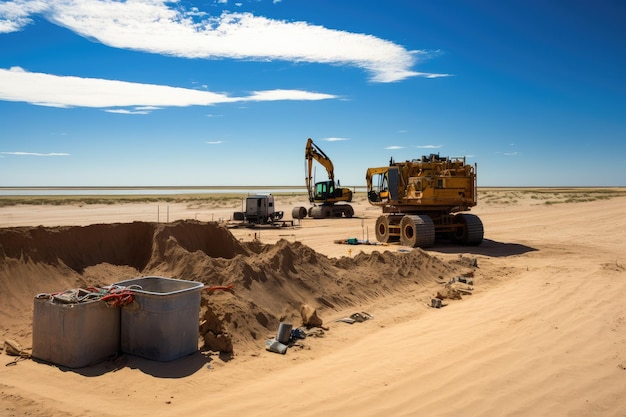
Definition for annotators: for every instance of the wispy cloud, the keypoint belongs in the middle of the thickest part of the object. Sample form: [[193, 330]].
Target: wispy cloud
[[67, 91], [394, 147], [275, 95], [136, 110], [168, 28], [335, 139], [429, 146], [214, 142], [511, 153], [35, 154], [125, 111]]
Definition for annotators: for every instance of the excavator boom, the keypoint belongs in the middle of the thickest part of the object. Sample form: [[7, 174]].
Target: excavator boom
[[313, 153]]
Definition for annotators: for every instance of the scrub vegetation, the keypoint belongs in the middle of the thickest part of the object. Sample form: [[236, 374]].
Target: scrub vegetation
[[486, 195]]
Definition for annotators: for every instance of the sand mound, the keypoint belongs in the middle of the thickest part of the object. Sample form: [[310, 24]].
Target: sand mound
[[269, 282]]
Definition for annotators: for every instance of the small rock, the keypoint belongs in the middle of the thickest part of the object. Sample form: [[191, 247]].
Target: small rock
[[310, 317]]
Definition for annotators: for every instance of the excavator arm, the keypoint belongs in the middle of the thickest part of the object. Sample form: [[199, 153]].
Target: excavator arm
[[314, 153]]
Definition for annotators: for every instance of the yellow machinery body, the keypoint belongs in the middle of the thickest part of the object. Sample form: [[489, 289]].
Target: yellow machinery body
[[423, 200]]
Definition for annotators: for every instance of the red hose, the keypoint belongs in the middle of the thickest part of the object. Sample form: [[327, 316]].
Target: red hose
[[118, 298]]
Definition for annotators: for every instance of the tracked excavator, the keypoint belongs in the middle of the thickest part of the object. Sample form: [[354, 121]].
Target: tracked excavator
[[425, 199], [328, 198]]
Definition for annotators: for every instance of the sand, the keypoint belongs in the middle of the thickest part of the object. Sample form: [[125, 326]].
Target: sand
[[543, 332]]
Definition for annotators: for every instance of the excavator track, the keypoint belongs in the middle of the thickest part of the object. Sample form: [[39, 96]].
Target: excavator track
[[417, 231], [472, 231], [382, 229], [328, 211]]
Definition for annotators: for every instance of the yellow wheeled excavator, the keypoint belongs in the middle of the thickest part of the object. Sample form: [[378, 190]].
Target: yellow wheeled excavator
[[422, 201], [328, 198]]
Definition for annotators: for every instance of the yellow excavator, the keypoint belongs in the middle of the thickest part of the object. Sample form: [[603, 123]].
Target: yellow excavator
[[328, 198], [423, 200]]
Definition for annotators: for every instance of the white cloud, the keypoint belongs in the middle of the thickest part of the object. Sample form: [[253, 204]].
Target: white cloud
[[273, 95], [35, 154], [429, 146], [335, 139], [67, 91], [125, 111], [167, 28], [15, 15], [394, 147], [215, 142], [137, 110]]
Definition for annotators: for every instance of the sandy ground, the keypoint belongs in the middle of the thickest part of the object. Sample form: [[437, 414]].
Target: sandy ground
[[544, 332]]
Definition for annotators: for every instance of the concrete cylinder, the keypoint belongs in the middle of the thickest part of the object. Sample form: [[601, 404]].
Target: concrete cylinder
[[298, 213], [284, 333]]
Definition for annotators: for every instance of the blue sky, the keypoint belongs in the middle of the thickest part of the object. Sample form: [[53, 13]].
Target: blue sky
[[216, 92]]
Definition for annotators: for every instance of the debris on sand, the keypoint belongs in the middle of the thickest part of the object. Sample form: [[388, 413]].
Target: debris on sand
[[355, 241], [355, 318]]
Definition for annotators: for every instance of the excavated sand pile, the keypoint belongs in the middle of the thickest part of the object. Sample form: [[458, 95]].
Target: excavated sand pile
[[270, 283]]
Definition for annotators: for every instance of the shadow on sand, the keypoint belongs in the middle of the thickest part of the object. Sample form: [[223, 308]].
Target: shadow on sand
[[178, 368], [487, 248]]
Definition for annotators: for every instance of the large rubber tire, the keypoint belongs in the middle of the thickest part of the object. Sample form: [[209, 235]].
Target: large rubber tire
[[382, 229], [417, 231], [470, 231], [348, 212], [298, 213]]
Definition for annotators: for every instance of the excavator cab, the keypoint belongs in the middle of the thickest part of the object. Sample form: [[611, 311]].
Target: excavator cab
[[382, 184], [324, 190]]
